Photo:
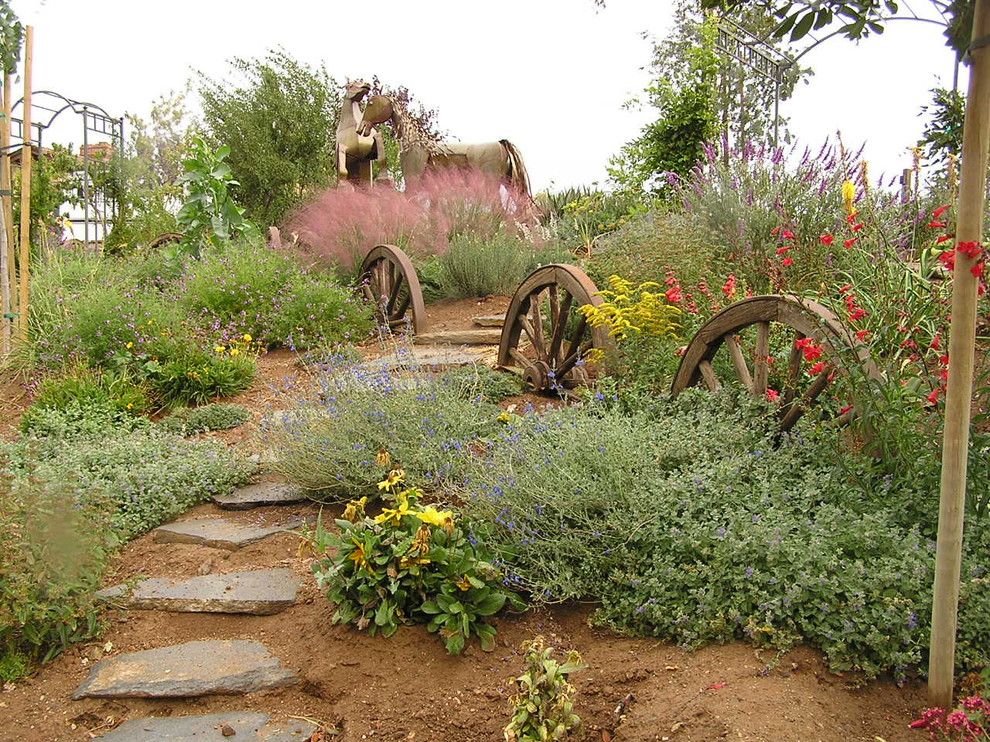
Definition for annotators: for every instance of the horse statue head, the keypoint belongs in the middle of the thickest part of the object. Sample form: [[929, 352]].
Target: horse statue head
[[378, 110], [356, 90]]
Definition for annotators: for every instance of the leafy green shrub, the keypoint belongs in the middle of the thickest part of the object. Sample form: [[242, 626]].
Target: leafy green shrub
[[411, 563], [190, 375], [94, 388], [248, 288], [543, 706], [78, 418], [777, 542], [51, 560], [477, 382], [476, 265], [190, 421], [358, 423]]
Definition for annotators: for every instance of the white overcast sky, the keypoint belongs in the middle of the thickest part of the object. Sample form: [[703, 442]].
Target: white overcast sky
[[550, 75]]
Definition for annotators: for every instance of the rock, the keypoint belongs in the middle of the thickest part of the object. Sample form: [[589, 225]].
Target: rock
[[259, 593], [244, 726], [420, 359], [206, 567], [256, 495], [216, 532], [197, 668], [460, 337], [489, 320]]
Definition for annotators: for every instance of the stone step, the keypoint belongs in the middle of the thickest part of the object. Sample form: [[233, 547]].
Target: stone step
[[216, 532], [239, 726], [260, 593], [485, 336], [197, 668], [257, 495], [424, 359], [489, 320]]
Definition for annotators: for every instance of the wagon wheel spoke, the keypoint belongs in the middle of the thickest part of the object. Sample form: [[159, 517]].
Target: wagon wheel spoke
[[573, 357], [560, 317], [400, 311], [739, 362], [793, 370], [396, 287], [522, 360], [798, 408], [761, 369], [538, 338], [708, 376], [573, 348], [527, 327]]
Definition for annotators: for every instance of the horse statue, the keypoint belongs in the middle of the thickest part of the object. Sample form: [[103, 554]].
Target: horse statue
[[419, 150], [357, 145]]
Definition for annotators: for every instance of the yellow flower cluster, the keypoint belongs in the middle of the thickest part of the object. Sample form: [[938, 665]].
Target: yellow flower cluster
[[236, 347], [393, 516], [628, 309]]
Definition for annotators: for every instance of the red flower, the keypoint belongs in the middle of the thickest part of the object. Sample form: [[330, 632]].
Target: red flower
[[939, 211], [787, 262], [862, 335], [856, 227], [827, 240], [674, 295], [845, 409], [936, 342], [844, 289], [783, 249], [970, 249], [775, 231], [977, 270], [948, 260], [935, 224], [944, 238], [772, 395], [857, 313], [933, 397], [817, 368], [729, 287], [852, 217], [850, 242]]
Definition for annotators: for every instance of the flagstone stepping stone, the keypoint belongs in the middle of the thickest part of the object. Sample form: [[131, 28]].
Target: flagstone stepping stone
[[485, 336], [259, 592], [216, 532], [416, 359], [257, 495], [197, 668], [489, 320], [244, 726]]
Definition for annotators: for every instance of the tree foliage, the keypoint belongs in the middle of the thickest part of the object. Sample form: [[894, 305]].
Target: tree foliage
[[279, 121], [11, 38], [943, 133]]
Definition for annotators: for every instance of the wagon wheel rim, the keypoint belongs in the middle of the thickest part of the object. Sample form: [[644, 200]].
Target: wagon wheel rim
[[545, 338], [390, 284], [165, 238], [809, 326]]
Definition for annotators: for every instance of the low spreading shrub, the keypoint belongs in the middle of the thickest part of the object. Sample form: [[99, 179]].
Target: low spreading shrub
[[192, 420], [412, 563], [474, 266], [357, 424], [52, 558], [249, 288]]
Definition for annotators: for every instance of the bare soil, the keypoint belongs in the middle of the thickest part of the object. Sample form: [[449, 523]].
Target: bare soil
[[407, 687]]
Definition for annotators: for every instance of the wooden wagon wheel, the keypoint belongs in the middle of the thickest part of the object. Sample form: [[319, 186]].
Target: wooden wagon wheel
[[165, 238], [545, 337], [807, 327], [390, 283]]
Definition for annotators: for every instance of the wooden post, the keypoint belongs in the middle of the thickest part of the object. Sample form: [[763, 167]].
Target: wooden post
[[6, 255], [5, 185], [25, 270], [962, 341], [907, 189]]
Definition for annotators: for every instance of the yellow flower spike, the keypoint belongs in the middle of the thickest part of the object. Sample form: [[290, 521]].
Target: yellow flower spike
[[848, 196]]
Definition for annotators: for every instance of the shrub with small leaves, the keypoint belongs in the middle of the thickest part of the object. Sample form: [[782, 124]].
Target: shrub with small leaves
[[411, 563], [543, 706], [192, 420]]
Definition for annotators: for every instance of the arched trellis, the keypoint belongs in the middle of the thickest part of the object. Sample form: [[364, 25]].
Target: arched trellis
[[94, 119]]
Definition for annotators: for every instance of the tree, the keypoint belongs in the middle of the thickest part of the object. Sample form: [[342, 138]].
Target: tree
[[279, 123], [698, 91], [943, 133]]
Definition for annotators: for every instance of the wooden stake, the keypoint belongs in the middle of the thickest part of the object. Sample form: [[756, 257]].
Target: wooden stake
[[25, 269], [962, 341], [5, 185], [6, 255]]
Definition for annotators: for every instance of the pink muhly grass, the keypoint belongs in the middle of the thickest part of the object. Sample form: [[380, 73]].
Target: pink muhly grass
[[339, 225]]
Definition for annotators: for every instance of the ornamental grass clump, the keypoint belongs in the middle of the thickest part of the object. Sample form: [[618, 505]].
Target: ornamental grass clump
[[411, 563]]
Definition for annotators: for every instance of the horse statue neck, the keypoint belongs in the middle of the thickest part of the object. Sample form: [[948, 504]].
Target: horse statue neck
[[410, 133], [350, 115]]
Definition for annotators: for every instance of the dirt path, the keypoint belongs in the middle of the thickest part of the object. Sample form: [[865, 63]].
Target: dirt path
[[407, 688]]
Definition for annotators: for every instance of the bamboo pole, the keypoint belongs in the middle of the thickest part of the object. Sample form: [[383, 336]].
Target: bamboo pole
[[5, 185], [962, 342], [6, 255], [25, 269]]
